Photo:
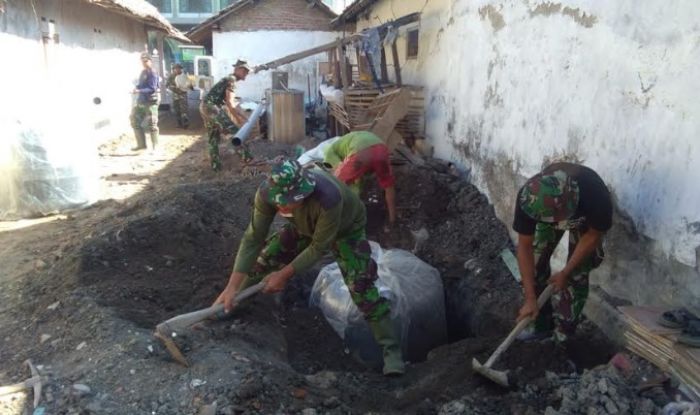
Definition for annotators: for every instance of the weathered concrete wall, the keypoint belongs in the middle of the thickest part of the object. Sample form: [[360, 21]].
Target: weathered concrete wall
[[512, 85], [97, 56], [256, 48]]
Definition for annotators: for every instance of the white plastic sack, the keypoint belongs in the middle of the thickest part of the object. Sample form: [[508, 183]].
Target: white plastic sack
[[46, 165], [331, 94], [316, 153], [415, 292]]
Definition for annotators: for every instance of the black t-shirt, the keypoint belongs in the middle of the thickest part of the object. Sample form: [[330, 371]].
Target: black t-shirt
[[594, 202]]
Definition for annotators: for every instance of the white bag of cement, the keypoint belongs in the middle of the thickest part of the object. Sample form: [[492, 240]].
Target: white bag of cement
[[415, 292], [316, 153]]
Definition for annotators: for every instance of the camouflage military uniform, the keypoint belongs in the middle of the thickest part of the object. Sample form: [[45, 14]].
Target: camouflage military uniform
[[352, 253], [552, 199], [144, 115], [564, 310], [217, 121], [180, 107], [331, 218]]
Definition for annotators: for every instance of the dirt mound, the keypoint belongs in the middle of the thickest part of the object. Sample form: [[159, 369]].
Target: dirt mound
[[481, 298], [168, 253]]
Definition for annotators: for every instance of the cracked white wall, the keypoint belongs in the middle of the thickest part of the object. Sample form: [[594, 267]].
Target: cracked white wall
[[512, 85]]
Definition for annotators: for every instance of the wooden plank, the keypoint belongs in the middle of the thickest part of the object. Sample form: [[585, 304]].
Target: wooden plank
[[336, 70], [304, 54], [397, 65], [648, 317], [384, 126], [344, 76], [384, 72], [408, 154]]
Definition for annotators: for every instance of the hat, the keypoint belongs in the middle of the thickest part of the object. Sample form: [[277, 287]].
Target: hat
[[289, 183], [145, 56], [177, 65], [551, 197], [242, 64]]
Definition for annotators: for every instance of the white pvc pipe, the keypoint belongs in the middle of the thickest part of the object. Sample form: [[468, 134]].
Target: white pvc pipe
[[245, 131]]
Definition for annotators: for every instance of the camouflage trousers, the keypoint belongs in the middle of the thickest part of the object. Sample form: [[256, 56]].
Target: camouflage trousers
[[564, 310], [218, 124], [144, 118], [352, 253], [181, 110]]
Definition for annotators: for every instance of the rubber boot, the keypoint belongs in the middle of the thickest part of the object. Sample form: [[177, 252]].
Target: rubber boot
[[140, 140], [388, 338], [154, 139]]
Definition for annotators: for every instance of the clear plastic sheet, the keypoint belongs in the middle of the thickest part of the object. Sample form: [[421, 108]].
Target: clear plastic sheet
[[46, 166], [415, 291]]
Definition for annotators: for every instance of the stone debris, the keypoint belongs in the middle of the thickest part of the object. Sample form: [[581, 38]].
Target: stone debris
[[81, 389], [598, 391]]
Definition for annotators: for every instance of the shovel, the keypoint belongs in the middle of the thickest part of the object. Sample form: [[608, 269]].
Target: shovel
[[501, 376], [168, 329]]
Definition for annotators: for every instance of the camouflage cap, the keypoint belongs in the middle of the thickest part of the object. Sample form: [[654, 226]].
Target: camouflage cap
[[145, 56], [551, 197], [289, 183], [241, 64]]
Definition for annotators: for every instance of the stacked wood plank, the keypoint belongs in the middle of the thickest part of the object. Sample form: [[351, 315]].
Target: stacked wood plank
[[358, 100], [658, 344], [686, 367]]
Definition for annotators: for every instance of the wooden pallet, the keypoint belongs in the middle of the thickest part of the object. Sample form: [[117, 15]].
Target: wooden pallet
[[359, 100]]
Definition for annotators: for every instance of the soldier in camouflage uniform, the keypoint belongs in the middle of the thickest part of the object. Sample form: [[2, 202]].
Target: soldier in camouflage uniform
[[563, 197], [220, 115], [144, 115], [177, 83], [324, 215]]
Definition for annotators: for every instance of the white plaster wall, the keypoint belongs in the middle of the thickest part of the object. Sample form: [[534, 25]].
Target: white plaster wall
[[48, 92], [264, 46], [64, 78], [514, 84]]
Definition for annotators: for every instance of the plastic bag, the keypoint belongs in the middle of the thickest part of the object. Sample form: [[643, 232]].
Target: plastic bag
[[415, 292], [45, 167], [316, 153]]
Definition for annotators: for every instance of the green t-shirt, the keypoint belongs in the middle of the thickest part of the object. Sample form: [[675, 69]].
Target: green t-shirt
[[348, 145], [330, 213]]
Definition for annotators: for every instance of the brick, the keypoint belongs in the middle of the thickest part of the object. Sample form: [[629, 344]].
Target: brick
[[278, 15]]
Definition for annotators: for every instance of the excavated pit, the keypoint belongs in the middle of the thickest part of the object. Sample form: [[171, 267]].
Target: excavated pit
[[172, 252]]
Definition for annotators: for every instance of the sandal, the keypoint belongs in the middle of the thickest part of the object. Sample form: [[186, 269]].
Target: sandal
[[691, 334], [676, 319]]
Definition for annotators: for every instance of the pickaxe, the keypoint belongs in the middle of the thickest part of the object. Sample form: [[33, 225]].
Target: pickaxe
[[501, 376], [33, 382], [166, 330]]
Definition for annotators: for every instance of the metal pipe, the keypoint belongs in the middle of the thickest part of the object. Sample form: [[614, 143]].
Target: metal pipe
[[247, 128]]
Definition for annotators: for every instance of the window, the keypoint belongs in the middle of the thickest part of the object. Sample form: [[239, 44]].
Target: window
[[226, 3], [412, 44], [163, 6], [195, 6]]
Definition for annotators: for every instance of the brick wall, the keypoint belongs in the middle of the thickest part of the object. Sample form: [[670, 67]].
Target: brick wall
[[278, 15]]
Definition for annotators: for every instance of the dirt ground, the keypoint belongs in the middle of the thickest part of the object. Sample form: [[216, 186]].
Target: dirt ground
[[81, 293]]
